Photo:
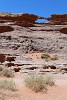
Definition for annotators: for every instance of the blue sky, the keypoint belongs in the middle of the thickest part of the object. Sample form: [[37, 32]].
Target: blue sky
[[39, 7]]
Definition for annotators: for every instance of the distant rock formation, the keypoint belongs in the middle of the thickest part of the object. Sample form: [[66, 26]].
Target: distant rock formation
[[25, 20], [19, 17], [58, 19]]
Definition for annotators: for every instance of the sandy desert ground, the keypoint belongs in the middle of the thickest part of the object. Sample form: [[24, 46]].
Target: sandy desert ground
[[57, 92]]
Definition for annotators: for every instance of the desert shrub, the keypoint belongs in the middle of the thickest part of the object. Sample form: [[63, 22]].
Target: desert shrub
[[38, 83], [7, 72], [49, 81], [55, 57], [1, 68], [8, 84], [2, 96], [46, 57]]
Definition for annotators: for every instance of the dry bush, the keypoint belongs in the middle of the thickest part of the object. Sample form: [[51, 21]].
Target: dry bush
[[38, 83], [46, 57], [2, 96], [1, 68], [49, 81], [55, 57], [6, 72], [8, 84]]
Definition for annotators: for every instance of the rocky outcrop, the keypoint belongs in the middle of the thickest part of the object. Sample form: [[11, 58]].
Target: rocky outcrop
[[19, 17], [25, 20], [24, 24], [6, 29], [58, 19]]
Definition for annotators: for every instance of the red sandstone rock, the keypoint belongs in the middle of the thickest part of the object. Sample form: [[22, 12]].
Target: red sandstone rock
[[10, 59], [58, 19], [10, 64], [5, 29], [25, 24], [20, 17], [2, 58], [63, 30]]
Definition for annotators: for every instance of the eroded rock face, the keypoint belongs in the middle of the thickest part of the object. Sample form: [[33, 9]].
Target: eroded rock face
[[6, 29], [25, 20]]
